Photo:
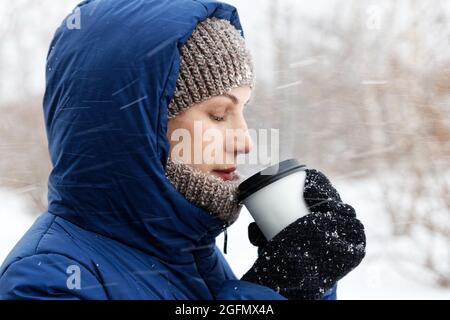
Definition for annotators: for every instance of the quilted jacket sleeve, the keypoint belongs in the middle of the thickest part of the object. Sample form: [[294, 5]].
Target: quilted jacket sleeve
[[49, 276]]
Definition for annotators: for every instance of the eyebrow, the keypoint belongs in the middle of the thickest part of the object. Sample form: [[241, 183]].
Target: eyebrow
[[234, 98]]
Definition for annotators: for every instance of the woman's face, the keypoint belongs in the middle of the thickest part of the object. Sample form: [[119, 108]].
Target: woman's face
[[210, 135]]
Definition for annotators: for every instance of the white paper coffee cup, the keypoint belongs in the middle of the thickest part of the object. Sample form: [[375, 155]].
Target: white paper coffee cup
[[274, 196]]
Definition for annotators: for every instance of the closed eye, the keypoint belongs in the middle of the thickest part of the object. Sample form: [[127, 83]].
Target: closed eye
[[215, 118]]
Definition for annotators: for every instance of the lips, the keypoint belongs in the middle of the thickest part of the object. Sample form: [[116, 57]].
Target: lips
[[226, 174]]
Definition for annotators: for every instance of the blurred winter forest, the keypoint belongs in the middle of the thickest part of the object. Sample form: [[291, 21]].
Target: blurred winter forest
[[359, 89]]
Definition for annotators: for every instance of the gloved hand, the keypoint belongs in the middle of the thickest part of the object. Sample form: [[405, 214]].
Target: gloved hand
[[308, 257]]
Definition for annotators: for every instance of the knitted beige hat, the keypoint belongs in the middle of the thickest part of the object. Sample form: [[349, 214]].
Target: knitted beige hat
[[214, 60]]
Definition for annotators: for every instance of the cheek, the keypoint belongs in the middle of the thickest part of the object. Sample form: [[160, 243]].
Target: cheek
[[177, 130], [212, 133], [203, 134]]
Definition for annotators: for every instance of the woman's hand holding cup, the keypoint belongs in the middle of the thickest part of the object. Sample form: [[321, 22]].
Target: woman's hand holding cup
[[308, 256]]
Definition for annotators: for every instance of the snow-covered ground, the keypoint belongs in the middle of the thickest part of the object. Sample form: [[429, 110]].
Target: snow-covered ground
[[378, 277]]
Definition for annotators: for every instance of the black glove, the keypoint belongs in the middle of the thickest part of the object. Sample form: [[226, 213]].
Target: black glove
[[308, 257]]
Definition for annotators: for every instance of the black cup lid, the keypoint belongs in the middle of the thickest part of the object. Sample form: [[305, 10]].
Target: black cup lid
[[266, 176]]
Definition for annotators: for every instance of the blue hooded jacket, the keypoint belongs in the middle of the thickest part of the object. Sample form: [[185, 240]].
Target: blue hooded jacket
[[115, 227]]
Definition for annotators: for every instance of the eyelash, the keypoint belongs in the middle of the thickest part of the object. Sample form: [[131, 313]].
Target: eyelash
[[218, 119]]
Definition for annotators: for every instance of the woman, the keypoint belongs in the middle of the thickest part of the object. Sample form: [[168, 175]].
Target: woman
[[127, 219]]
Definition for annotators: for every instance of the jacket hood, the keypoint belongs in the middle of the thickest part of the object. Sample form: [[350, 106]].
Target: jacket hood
[[109, 81]]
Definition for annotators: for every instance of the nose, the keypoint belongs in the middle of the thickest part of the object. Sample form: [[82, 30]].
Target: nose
[[242, 142]]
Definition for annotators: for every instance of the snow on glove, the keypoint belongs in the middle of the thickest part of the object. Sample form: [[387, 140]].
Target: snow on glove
[[308, 257]]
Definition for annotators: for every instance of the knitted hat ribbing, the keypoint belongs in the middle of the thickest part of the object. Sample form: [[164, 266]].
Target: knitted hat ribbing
[[214, 60]]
